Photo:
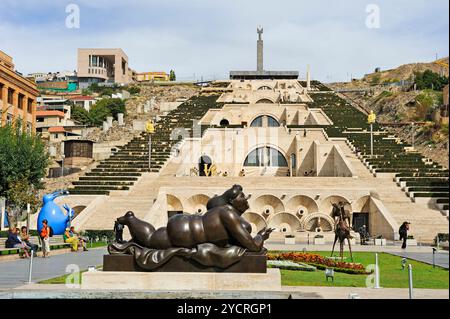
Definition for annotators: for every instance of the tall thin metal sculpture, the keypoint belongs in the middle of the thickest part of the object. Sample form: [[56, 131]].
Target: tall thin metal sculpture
[[342, 228]]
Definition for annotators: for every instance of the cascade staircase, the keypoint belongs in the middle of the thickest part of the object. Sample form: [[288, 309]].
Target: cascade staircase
[[124, 167]]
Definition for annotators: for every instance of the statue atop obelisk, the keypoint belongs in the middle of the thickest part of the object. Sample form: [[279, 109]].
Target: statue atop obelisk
[[259, 47]]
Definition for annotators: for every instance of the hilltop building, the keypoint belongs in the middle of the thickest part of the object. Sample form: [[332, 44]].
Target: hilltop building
[[103, 66], [17, 96]]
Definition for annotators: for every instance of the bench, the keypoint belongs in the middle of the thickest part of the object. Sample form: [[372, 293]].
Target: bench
[[56, 242]]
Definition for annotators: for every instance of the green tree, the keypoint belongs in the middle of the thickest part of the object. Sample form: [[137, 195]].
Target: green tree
[[113, 105], [425, 103], [23, 164], [80, 114], [107, 91], [172, 76], [430, 80], [133, 89], [19, 195], [98, 114]]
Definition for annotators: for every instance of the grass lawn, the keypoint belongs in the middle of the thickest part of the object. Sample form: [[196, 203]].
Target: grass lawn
[[391, 274], [62, 279]]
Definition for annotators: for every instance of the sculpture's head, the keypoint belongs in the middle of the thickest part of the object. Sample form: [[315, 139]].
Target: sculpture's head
[[239, 201], [125, 218]]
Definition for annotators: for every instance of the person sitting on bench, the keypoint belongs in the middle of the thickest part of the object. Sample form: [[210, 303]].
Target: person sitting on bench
[[82, 240], [26, 239], [70, 239], [14, 241]]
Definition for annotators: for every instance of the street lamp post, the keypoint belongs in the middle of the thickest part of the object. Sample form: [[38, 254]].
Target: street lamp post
[[371, 119], [371, 139], [149, 152]]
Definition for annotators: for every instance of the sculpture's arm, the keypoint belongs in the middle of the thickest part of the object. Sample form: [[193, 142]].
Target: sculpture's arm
[[240, 234]]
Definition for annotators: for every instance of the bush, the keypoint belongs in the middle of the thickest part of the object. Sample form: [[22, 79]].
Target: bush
[[442, 237], [98, 114], [430, 80], [133, 89], [80, 114], [114, 106], [319, 262], [93, 234]]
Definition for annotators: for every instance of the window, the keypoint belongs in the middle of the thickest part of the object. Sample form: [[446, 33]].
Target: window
[[257, 122], [266, 156], [264, 101], [255, 158], [272, 122], [30, 106]]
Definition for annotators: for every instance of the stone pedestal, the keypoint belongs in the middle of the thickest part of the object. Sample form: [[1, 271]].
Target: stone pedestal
[[249, 263], [176, 281], [105, 126], [120, 119], [109, 120]]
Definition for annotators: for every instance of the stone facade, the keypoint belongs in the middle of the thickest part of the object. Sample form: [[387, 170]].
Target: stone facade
[[17, 96]]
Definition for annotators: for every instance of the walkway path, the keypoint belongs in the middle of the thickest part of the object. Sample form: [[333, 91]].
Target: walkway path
[[15, 273], [369, 293], [441, 257]]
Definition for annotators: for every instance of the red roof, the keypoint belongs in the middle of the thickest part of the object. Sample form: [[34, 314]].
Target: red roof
[[56, 129], [49, 113], [82, 98]]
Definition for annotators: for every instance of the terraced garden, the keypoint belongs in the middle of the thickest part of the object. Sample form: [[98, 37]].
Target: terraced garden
[[421, 177], [124, 167]]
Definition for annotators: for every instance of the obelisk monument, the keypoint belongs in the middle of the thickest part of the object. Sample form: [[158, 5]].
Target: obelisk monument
[[259, 49]]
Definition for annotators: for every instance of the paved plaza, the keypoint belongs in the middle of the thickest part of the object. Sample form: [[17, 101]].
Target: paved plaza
[[15, 273]]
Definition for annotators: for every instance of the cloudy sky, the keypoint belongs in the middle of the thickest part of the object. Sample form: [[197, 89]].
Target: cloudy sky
[[208, 38]]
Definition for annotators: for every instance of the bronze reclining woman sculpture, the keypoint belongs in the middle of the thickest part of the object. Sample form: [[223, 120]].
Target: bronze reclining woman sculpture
[[217, 238]]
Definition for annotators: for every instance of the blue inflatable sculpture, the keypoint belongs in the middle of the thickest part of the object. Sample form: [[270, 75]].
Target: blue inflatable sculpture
[[55, 216]]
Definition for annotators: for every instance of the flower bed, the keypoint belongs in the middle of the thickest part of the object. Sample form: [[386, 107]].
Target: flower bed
[[289, 265], [320, 262]]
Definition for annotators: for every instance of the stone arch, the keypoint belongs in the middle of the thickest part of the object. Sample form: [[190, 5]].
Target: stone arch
[[264, 101], [325, 205], [302, 205], [258, 120], [361, 204], [284, 222], [174, 203], [196, 204], [268, 205], [318, 222], [258, 154], [264, 87], [256, 220]]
